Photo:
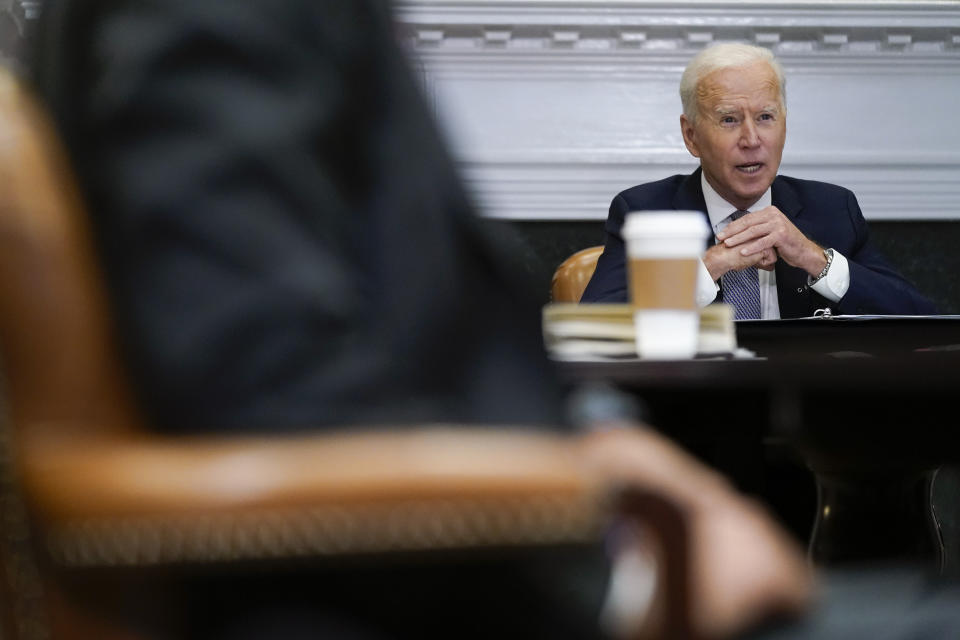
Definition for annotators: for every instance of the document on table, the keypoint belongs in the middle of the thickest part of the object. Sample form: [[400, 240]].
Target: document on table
[[574, 331]]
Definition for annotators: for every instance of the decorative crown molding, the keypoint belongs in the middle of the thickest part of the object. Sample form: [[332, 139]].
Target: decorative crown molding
[[923, 31]]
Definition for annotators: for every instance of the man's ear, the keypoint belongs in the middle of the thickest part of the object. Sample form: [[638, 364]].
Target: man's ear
[[689, 136]]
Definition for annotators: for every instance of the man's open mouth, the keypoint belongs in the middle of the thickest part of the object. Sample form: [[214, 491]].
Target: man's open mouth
[[752, 167]]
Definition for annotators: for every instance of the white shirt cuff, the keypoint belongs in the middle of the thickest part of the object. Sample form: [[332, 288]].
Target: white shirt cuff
[[707, 289], [834, 285]]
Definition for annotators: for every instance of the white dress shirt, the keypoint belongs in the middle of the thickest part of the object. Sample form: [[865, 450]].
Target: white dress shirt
[[832, 286]]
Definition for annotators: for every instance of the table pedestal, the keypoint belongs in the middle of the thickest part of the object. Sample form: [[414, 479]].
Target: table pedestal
[[876, 517]]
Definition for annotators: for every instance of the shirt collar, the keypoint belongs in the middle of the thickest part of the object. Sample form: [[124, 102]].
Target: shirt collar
[[719, 209]]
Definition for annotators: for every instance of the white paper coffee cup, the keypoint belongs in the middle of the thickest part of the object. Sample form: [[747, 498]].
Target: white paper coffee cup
[[663, 256]]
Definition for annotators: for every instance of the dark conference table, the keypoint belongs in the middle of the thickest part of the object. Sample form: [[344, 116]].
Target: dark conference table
[[869, 404]]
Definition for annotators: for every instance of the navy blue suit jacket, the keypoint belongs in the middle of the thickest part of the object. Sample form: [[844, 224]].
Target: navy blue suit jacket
[[826, 213]]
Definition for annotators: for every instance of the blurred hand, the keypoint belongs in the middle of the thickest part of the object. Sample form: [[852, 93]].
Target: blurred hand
[[744, 568]]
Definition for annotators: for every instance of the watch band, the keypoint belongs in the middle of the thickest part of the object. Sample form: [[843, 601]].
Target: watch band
[[828, 254]]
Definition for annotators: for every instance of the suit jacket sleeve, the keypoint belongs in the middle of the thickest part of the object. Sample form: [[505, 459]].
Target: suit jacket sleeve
[[875, 286], [609, 281]]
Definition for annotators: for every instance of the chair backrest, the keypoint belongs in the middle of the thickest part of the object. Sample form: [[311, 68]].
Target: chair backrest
[[59, 357], [573, 274], [62, 378]]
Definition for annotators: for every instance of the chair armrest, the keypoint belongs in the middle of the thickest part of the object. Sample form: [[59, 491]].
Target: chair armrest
[[154, 501], [150, 500]]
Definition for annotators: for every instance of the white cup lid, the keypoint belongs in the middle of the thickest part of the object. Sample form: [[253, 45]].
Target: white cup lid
[[666, 224]]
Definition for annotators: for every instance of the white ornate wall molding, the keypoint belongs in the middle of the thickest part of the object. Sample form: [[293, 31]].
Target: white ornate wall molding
[[553, 106]]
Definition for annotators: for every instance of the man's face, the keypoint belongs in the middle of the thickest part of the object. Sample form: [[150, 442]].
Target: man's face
[[739, 132]]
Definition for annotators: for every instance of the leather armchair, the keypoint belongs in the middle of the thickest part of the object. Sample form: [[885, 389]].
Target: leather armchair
[[92, 500], [573, 274]]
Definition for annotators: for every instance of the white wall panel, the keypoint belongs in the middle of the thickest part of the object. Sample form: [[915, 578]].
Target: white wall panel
[[553, 106]]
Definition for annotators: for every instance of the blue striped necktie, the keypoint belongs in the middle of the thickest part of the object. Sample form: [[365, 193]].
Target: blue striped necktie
[[742, 288]]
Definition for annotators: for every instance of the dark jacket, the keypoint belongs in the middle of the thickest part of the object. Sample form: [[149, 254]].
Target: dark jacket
[[825, 213], [286, 243]]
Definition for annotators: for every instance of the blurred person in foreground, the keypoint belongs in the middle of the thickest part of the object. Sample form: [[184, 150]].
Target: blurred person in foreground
[[287, 248], [782, 247]]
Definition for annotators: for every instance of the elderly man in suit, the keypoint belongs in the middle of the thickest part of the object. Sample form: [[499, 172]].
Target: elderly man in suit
[[783, 247]]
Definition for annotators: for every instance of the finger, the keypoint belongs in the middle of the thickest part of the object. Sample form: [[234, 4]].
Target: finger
[[757, 246], [768, 260], [767, 264], [736, 227], [751, 219], [750, 233], [768, 211]]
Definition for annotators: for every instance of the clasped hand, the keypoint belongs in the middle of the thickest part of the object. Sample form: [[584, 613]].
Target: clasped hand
[[758, 240]]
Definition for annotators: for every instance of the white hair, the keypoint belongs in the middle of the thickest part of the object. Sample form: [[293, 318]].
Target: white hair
[[724, 56]]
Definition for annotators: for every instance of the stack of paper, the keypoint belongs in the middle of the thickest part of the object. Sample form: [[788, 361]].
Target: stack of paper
[[718, 334], [605, 331], [572, 331]]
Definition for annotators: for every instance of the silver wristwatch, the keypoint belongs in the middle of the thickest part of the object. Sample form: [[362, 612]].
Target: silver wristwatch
[[828, 254]]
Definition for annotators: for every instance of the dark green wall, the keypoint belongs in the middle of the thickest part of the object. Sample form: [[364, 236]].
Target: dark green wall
[[922, 251]]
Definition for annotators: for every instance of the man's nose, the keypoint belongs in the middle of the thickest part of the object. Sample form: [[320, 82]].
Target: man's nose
[[749, 136]]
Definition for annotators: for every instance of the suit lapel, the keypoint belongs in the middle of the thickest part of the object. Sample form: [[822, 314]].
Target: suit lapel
[[689, 197], [690, 194], [786, 199]]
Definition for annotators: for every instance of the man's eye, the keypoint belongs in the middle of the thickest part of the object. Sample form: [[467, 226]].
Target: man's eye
[[766, 116], [728, 120]]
